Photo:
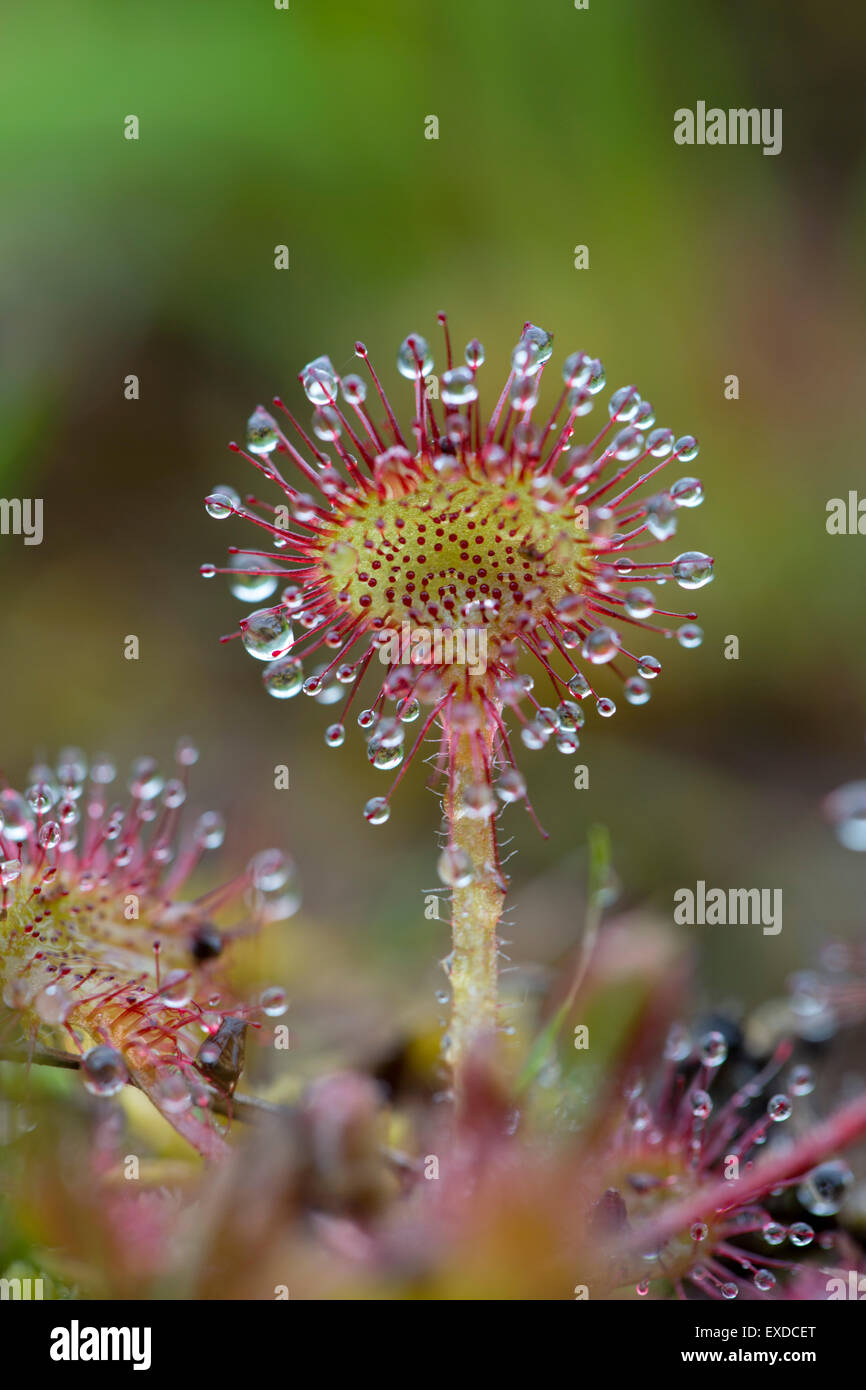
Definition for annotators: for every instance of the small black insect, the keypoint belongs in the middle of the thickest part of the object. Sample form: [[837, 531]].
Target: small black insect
[[221, 1058]]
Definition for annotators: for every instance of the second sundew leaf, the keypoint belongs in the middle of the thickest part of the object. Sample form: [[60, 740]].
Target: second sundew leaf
[[100, 955]]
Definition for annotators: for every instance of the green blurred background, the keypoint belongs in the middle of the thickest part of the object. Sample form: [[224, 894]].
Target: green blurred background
[[306, 127]]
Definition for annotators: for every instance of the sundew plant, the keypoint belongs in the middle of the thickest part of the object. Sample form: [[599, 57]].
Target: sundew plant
[[465, 572]]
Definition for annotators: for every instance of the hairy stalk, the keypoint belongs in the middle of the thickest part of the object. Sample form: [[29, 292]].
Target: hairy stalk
[[476, 907]]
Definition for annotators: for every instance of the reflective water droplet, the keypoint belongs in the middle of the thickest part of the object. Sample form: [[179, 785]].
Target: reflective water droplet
[[801, 1081], [661, 517], [623, 404], [319, 381], [15, 816], [692, 569], [539, 339], [210, 830], [53, 1004], [413, 358], [773, 1233], [266, 633], [222, 502], [636, 691], [458, 387], [660, 443], [579, 686], [713, 1049], [262, 434], [687, 492], [690, 635], [328, 427], [570, 715], [104, 1071], [627, 444], [455, 867], [824, 1190], [678, 1045], [354, 389], [601, 645], [41, 797], [270, 870], [259, 584], [779, 1108], [800, 1234], [597, 378], [687, 448], [145, 780], [846, 810], [274, 1001], [701, 1105], [49, 834], [177, 989], [524, 393], [284, 678], [640, 602], [576, 370], [511, 785], [377, 811], [649, 667]]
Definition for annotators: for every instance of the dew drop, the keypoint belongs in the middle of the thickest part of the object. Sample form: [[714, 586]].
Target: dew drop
[[623, 404], [455, 867], [687, 492], [413, 358], [222, 502], [284, 678], [692, 569], [601, 645], [253, 587], [800, 1234], [690, 635], [274, 1001], [262, 433], [636, 691], [458, 387], [825, 1188], [687, 448], [319, 381], [377, 810], [104, 1071], [648, 667], [266, 633], [779, 1108]]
